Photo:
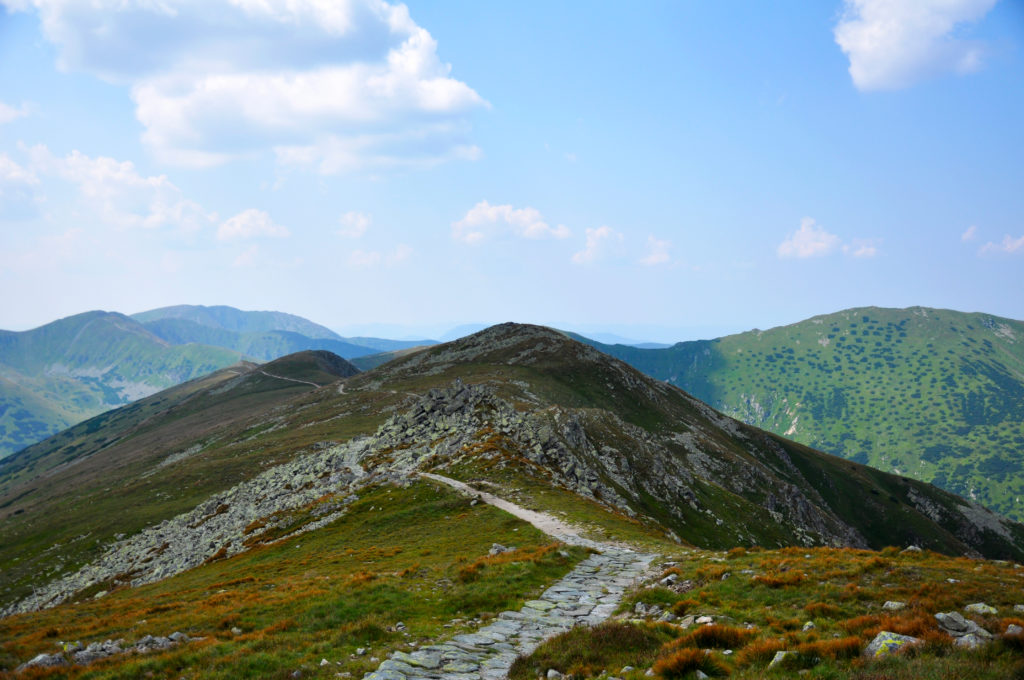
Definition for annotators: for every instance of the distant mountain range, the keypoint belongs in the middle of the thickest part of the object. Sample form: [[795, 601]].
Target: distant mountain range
[[59, 374], [934, 394]]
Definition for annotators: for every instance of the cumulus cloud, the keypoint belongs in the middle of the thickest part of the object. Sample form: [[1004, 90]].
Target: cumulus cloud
[[1007, 245], [119, 194], [598, 242], [657, 252], [353, 224], [893, 43], [484, 220], [969, 234], [337, 85], [248, 224], [810, 240], [8, 113]]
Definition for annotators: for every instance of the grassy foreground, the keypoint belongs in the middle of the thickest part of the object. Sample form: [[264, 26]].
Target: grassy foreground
[[415, 555], [761, 602]]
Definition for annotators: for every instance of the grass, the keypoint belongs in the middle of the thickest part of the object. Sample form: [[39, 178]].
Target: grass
[[586, 651], [841, 591], [396, 556]]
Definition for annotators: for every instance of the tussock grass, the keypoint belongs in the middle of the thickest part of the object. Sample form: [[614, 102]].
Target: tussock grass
[[587, 651]]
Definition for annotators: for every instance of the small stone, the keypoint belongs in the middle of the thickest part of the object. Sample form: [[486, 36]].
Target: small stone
[[1014, 629], [704, 620], [553, 674], [498, 548], [809, 626], [894, 606], [325, 662], [360, 651], [669, 580], [44, 661], [1018, 607], [700, 675], [911, 549], [779, 658], [886, 643], [980, 608], [235, 630]]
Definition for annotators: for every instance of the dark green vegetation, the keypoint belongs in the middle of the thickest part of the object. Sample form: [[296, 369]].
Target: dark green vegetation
[[64, 372], [417, 552], [932, 394], [761, 601]]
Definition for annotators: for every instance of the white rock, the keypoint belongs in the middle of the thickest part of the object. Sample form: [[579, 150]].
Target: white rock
[[980, 608], [893, 606]]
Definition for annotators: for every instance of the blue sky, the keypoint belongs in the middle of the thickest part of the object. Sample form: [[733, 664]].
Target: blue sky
[[664, 171]]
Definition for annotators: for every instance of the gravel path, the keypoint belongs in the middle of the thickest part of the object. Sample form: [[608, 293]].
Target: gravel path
[[585, 596]]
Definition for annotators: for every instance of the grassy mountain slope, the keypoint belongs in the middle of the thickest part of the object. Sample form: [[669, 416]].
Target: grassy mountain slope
[[547, 421], [262, 345], [68, 370], [548, 406], [238, 321], [933, 394]]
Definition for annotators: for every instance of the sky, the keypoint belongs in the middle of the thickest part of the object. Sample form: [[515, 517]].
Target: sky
[[660, 170]]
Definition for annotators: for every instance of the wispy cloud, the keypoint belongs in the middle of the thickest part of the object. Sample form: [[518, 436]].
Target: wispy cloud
[[353, 224], [969, 234], [892, 44], [657, 252], [367, 259], [8, 113], [249, 224], [484, 220], [599, 241], [1009, 245]]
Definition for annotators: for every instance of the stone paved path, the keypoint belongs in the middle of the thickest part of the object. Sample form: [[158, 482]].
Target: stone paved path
[[585, 596]]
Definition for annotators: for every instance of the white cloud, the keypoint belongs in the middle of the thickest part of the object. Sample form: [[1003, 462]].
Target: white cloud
[[598, 241], [1007, 245], [893, 43], [8, 113], [353, 224], [247, 257], [969, 234], [860, 248], [119, 194], [366, 259], [485, 219], [657, 252], [18, 189], [248, 224], [810, 240], [337, 84]]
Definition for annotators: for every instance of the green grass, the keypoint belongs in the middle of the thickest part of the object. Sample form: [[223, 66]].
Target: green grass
[[396, 556], [933, 394]]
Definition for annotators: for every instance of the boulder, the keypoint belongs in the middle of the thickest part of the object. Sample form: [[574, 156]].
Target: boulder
[[44, 661], [956, 625], [980, 608], [887, 643]]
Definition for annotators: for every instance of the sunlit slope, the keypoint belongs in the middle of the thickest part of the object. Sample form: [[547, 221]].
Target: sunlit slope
[[933, 394]]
